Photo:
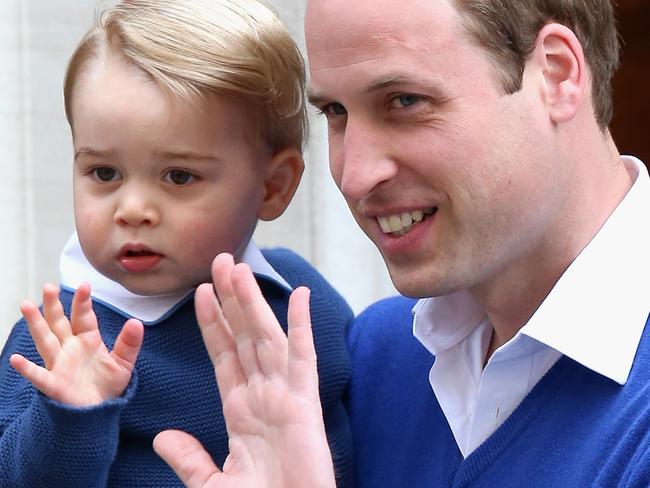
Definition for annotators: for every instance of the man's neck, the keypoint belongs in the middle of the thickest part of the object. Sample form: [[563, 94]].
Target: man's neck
[[514, 295]]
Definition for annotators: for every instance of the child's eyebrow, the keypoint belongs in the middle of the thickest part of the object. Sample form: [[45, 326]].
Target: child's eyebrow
[[165, 155], [88, 151], [188, 156]]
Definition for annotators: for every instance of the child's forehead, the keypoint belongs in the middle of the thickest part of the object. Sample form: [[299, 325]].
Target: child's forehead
[[113, 84], [144, 124]]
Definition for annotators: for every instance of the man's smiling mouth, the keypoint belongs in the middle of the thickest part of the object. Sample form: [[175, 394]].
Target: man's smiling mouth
[[400, 224]]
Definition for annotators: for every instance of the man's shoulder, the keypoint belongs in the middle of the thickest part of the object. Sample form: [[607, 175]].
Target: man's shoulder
[[390, 316], [394, 309], [385, 325]]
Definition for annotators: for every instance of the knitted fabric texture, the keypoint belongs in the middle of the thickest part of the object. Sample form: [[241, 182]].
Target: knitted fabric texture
[[47, 444], [576, 428]]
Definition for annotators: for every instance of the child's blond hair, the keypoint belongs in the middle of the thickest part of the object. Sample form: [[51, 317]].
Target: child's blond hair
[[193, 48]]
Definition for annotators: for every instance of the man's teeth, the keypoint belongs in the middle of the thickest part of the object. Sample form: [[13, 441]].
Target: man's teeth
[[402, 223]]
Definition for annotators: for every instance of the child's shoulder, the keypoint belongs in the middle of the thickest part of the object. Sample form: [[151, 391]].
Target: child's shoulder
[[293, 267], [65, 296], [297, 271], [282, 257]]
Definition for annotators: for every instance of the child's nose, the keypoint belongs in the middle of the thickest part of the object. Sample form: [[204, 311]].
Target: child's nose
[[134, 209]]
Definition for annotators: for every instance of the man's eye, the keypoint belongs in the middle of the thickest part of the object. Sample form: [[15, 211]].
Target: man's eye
[[179, 177], [105, 174], [334, 109], [405, 100]]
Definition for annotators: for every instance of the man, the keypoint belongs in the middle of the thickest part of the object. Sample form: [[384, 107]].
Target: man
[[470, 141]]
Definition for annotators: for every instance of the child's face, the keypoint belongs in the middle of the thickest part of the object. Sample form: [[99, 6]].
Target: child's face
[[161, 187]]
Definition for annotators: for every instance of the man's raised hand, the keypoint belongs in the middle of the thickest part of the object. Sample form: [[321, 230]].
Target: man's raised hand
[[269, 391]]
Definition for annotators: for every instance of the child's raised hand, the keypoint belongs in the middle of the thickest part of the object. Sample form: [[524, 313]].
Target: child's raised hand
[[268, 387], [79, 370]]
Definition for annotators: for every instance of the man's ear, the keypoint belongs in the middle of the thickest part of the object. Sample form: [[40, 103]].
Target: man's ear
[[282, 178], [562, 61]]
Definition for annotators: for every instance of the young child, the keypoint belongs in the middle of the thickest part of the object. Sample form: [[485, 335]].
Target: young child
[[187, 121]]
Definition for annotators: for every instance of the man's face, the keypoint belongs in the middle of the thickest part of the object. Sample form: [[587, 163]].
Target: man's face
[[439, 168], [160, 186]]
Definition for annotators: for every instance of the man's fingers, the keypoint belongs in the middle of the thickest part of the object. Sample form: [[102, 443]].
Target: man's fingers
[[187, 457], [303, 375], [128, 343], [36, 375], [82, 316], [222, 270], [218, 339], [46, 342], [261, 325], [53, 312]]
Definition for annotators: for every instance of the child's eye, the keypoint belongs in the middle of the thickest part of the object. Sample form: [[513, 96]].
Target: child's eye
[[179, 177], [105, 174]]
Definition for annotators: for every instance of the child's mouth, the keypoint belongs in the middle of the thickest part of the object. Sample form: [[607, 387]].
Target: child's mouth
[[131, 254], [138, 260]]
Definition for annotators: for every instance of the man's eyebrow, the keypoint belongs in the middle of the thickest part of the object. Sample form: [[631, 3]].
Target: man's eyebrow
[[315, 98], [428, 86], [386, 81]]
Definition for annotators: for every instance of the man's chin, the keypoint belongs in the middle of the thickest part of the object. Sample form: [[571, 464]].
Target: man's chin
[[419, 282]]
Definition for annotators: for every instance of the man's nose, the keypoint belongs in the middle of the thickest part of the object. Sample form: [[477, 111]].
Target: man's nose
[[136, 206], [365, 161]]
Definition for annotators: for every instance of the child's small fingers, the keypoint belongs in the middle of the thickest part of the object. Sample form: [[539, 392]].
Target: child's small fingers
[[218, 340], [46, 342], [82, 316], [128, 343], [53, 312], [36, 375]]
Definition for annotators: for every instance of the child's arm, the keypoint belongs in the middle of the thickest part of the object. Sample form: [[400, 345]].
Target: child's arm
[[79, 371], [44, 441], [269, 391]]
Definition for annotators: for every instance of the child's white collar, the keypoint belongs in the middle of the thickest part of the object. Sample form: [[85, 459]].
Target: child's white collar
[[74, 269]]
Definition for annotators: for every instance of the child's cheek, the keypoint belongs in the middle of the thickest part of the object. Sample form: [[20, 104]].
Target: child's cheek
[[85, 222], [202, 239]]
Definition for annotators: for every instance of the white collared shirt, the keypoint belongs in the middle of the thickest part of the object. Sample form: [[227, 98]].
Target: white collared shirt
[[74, 269], [599, 326]]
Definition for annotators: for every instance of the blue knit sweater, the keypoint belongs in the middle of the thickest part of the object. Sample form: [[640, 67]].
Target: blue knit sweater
[[575, 429], [47, 444]]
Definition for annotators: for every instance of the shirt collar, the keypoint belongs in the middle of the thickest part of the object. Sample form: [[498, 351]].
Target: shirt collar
[[74, 269], [442, 322], [600, 325]]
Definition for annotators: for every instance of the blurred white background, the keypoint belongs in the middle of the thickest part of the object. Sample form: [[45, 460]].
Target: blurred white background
[[36, 39]]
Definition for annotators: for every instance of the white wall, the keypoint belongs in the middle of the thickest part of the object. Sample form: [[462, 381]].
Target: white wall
[[36, 39]]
